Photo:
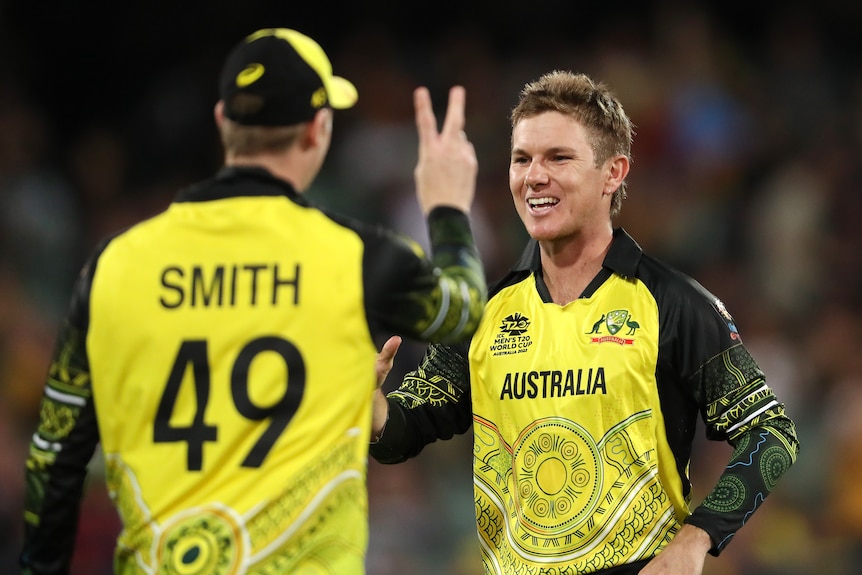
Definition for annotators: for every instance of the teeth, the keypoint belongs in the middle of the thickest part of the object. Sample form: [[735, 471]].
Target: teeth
[[541, 201]]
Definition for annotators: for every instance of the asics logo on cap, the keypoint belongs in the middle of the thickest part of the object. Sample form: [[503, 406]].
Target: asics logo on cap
[[318, 99], [249, 75]]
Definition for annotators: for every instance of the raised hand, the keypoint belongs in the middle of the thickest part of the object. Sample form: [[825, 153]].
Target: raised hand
[[446, 171]]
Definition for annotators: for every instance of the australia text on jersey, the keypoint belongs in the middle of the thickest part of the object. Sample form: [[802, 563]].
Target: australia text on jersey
[[228, 285], [554, 383]]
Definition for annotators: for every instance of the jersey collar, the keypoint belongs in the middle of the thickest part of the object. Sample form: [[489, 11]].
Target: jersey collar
[[622, 257], [235, 181]]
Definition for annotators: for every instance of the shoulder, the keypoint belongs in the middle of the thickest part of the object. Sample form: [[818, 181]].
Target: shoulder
[[379, 241], [681, 299], [669, 283]]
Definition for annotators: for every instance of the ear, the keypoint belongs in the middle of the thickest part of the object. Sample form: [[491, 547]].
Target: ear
[[617, 170], [218, 113], [319, 129]]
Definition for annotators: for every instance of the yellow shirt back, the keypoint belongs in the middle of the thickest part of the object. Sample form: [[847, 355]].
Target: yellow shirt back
[[238, 347]]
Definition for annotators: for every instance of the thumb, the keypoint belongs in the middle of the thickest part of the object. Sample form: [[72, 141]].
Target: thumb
[[386, 358]]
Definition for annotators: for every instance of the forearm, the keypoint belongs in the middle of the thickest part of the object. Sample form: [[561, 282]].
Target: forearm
[[56, 467], [743, 410], [397, 441], [52, 501], [431, 403], [439, 298], [454, 252], [453, 247], [761, 457]]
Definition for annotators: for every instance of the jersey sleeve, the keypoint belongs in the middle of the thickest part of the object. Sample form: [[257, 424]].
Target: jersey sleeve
[[436, 299], [432, 402], [61, 447], [739, 407]]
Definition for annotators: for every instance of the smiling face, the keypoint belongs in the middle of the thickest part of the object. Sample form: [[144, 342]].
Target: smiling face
[[559, 192]]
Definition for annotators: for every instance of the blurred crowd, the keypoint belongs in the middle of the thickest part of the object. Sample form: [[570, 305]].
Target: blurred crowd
[[747, 175]]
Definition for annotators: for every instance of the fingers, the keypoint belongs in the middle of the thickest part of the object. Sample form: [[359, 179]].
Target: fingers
[[453, 125], [445, 171], [426, 122]]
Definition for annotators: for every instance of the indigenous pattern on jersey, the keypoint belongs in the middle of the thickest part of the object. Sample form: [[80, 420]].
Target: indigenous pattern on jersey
[[567, 450], [222, 353], [584, 415]]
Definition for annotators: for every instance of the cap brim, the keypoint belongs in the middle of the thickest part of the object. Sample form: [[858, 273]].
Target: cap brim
[[342, 93]]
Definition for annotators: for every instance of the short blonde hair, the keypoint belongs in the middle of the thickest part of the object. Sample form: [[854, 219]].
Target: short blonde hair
[[241, 140], [592, 105]]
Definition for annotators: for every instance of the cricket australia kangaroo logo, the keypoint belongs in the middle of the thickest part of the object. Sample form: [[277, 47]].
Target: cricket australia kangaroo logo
[[512, 337], [609, 326]]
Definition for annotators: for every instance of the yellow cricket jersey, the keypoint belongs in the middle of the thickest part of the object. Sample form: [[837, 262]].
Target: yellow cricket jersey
[[568, 430], [584, 416], [222, 353], [241, 323]]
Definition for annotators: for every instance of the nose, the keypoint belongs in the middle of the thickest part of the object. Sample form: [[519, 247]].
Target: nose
[[535, 175]]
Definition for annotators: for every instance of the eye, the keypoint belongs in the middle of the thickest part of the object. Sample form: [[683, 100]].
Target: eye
[[519, 160]]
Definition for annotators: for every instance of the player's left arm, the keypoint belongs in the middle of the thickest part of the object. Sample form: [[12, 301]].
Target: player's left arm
[[432, 402], [741, 408], [737, 405]]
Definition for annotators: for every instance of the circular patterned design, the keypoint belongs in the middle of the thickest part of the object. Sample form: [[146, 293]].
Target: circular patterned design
[[580, 478], [551, 476], [562, 506], [728, 494], [204, 544], [541, 507], [558, 475], [773, 464], [545, 442]]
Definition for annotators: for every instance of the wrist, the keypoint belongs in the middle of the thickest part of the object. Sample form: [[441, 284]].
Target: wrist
[[375, 437], [695, 536], [380, 415]]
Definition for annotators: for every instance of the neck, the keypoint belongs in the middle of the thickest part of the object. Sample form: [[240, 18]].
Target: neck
[[279, 165], [568, 267]]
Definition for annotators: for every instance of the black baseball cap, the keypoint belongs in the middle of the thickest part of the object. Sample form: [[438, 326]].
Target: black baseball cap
[[280, 77]]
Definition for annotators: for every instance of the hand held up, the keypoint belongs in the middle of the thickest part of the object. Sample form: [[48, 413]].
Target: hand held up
[[446, 171]]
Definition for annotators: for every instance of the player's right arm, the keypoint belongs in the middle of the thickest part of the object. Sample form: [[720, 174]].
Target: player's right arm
[[433, 299], [441, 300], [61, 447]]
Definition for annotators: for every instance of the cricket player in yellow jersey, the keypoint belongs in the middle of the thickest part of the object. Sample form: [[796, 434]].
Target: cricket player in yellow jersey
[[588, 372], [223, 352]]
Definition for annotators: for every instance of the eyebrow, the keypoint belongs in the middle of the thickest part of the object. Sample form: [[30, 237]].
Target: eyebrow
[[549, 152]]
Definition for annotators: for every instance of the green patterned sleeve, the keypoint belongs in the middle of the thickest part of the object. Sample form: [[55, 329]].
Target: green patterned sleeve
[[454, 252], [61, 448], [438, 298], [742, 408], [432, 402]]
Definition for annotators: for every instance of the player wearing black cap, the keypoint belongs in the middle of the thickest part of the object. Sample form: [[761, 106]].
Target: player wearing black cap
[[222, 352]]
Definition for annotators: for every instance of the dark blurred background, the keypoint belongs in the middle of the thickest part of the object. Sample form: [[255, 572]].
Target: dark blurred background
[[747, 171]]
